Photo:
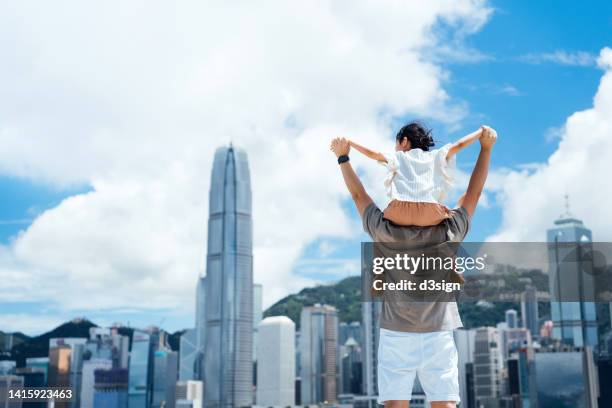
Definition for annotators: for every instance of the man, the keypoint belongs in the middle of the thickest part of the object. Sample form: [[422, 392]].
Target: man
[[418, 340]]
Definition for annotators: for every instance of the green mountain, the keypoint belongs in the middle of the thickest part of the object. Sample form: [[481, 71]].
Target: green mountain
[[345, 295], [38, 346]]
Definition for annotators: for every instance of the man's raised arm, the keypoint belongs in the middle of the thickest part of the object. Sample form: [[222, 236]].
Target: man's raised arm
[[341, 148], [480, 172]]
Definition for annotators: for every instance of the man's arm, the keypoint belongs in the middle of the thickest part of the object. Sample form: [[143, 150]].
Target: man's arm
[[341, 147], [464, 142], [367, 152], [480, 172]]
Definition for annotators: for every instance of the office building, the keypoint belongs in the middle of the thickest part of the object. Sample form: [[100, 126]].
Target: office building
[[488, 364], [200, 327], [370, 312], [189, 394], [59, 366], [108, 344], [276, 363], [257, 314], [88, 379], [465, 343], [318, 354], [529, 311], [572, 290], [7, 382], [511, 319], [165, 375], [565, 378], [140, 370], [350, 367], [188, 354], [40, 363], [111, 388], [228, 350]]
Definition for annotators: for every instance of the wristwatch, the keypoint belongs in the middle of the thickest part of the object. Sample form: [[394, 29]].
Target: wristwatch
[[343, 159]]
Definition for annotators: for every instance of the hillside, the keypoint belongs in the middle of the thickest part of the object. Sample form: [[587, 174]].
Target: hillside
[[345, 295], [38, 346]]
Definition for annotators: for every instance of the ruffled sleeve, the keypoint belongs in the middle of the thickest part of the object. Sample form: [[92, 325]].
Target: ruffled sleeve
[[445, 170], [392, 166]]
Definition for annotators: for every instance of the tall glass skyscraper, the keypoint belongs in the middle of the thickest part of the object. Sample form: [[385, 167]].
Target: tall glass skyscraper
[[228, 350], [140, 371], [575, 323]]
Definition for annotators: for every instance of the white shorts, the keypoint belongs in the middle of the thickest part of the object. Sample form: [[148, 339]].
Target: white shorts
[[404, 355]]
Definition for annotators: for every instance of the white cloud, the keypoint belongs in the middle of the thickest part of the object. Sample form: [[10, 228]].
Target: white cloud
[[578, 58], [132, 98], [532, 198]]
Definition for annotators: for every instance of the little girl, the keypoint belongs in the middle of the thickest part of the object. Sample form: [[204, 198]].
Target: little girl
[[418, 179]]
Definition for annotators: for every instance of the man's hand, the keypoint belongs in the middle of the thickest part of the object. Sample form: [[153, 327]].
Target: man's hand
[[488, 138], [340, 146]]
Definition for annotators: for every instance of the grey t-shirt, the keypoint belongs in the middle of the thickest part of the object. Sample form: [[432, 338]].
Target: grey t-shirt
[[418, 316]]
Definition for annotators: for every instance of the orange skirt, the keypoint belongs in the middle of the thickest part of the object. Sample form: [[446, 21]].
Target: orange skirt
[[416, 213]]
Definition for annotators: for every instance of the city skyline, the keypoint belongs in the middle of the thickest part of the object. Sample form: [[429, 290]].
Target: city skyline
[[127, 211]]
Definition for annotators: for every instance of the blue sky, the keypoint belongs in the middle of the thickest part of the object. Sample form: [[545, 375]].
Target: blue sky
[[536, 67]]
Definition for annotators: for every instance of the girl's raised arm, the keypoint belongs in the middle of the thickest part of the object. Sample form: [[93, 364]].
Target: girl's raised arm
[[464, 142], [368, 153]]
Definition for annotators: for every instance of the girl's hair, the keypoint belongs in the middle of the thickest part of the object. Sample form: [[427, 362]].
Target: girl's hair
[[419, 136]]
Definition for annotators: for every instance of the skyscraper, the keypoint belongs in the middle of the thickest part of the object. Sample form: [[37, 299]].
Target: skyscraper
[[318, 354], [164, 378], [200, 328], [370, 312], [276, 364], [529, 311], [88, 379], [228, 350], [465, 342], [257, 314], [188, 353], [140, 371], [574, 322], [511, 318], [487, 366]]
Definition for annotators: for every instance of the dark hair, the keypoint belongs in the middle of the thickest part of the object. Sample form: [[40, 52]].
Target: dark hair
[[419, 136]]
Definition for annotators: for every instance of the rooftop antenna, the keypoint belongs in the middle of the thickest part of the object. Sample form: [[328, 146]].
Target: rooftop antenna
[[568, 214]]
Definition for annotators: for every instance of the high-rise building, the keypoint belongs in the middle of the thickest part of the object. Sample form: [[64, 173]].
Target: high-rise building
[[77, 351], [107, 344], [189, 394], [140, 370], [276, 362], [318, 353], [200, 327], [88, 379], [511, 319], [188, 353], [565, 378], [228, 350], [40, 363], [370, 312], [257, 314], [7, 382], [165, 375], [574, 322], [59, 366], [465, 343], [488, 365], [350, 367], [111, 388], [529, 311]]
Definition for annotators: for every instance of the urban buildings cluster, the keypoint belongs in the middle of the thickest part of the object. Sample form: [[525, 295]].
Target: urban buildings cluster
[[233, 357]]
